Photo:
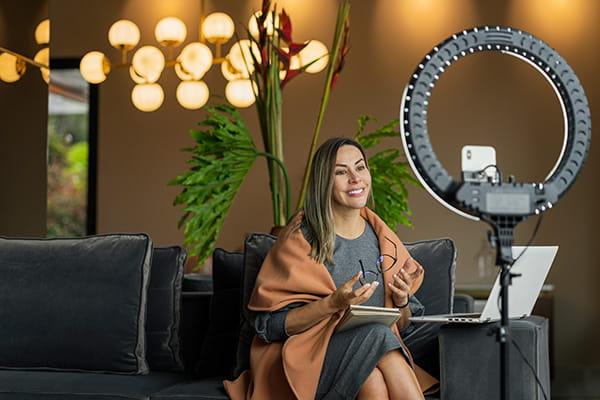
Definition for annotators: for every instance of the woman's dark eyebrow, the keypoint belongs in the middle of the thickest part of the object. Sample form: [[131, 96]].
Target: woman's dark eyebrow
[[344, 165]]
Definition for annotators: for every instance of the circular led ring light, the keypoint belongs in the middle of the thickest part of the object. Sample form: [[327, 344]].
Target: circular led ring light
[[576, 115]]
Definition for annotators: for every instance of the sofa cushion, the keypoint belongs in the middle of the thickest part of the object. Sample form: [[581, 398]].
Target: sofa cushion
[[256, 247], [198, 282], [74, 304], [218, 352], [438, 258], [204, 389], [52, 385], [163, 309], [195, 308]]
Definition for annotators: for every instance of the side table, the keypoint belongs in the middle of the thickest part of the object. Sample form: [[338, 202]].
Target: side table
[[544, 307], [470, 360]]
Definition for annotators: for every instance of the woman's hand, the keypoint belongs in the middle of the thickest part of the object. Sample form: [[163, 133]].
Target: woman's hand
[[302, 318], [403, 281], [345, 295]]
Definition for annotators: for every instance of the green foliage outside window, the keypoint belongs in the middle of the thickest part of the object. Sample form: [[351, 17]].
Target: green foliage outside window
[[67, 175]]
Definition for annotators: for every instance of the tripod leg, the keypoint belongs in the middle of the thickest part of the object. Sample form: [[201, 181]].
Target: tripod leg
[[504, 333]]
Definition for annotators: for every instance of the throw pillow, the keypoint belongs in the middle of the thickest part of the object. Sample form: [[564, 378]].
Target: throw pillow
[[163, 310], [438, 258], [217, 354], [256, 247], [75, 303]]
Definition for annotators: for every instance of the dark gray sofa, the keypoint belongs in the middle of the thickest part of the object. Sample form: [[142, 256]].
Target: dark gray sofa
[[101, 317], [112, 317]]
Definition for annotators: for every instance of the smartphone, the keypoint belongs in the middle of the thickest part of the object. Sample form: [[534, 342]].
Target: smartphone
[[478, 163]]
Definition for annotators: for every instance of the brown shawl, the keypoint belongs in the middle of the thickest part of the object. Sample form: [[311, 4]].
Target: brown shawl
[[291, 369]]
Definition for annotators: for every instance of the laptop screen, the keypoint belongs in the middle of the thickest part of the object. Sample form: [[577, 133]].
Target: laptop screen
[[533, 267]]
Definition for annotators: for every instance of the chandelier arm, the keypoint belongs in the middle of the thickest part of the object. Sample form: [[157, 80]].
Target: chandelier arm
[[22, 57]]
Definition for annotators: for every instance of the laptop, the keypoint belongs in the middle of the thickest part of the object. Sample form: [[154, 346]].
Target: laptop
[[533, 266]]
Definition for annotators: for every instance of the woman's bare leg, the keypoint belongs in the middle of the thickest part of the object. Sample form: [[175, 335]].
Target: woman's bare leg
[[400, 379], [374, 387]]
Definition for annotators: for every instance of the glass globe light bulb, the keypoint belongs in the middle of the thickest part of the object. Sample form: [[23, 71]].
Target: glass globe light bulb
[[241, 58], [42, 32], [230, 73], [170, 31], [253, 24], [195, 60], [124, 34], [147, 97], [295, 62], [148, 62], [314, 50], [218, 27], [182, 74], [240, 93], [137, 78], [43, 57], [11, 67], [192, 94], [94, 67]]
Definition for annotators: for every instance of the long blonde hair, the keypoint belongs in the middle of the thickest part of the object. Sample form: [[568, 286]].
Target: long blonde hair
[[318, 210]]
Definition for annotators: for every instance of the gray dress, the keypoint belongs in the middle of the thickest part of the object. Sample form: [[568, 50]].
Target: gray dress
[[352, 354]]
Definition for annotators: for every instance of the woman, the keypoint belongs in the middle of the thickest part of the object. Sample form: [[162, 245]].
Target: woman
[[333, 254]]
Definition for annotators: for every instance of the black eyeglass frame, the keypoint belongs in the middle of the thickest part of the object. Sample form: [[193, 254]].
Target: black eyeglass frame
[[363, 277]]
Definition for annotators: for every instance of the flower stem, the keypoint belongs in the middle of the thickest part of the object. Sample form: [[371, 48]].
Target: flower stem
[[288, 190], [343, 13]]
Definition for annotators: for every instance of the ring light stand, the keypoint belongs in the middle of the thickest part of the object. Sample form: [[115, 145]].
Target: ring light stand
[[502, 205]]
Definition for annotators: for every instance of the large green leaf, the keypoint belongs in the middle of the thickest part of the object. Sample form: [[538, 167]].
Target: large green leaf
[[390, 173], [219, 163]]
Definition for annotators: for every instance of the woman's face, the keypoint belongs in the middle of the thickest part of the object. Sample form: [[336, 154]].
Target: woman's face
[[351, 181]]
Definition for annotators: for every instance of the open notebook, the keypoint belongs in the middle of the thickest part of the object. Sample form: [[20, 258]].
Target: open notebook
[[533, 266]]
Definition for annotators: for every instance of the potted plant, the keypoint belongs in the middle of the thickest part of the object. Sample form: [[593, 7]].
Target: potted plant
[[225, 151]]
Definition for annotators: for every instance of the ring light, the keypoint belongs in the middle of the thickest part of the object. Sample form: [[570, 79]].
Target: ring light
[[502, 204]]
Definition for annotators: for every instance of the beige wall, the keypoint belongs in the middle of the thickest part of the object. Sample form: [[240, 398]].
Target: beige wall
[[22, 138], [483, 99]]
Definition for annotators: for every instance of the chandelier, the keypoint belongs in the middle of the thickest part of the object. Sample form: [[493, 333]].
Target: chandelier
[[193, 61], [14, 65]]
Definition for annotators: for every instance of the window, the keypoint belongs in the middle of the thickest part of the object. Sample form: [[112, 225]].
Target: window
[[72, 120]]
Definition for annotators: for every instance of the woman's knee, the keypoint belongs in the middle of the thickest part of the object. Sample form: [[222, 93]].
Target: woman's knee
[[393, 357], [401, 380], [374, 387]]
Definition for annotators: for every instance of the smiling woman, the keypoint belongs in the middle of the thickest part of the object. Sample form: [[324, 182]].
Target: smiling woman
[[351, 185], [322, 253]]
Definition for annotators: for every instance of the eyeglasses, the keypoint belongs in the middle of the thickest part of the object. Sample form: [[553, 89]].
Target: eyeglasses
[[369, 276]]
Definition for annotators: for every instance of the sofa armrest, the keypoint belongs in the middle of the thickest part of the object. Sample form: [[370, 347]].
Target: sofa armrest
[[463, 303]]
